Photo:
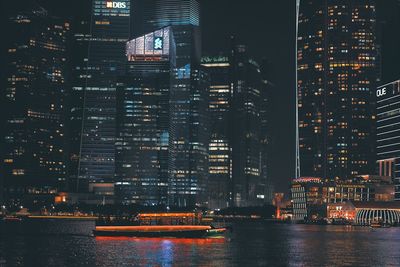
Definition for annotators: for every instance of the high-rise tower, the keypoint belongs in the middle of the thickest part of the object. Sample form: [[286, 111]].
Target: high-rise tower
[[337, 71], [106, 60], [188, 132], [34, 131], [143, 119]]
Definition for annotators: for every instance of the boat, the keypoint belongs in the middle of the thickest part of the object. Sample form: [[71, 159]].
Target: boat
[[178, 225], [12, 219], [182, 231], [379, 224]]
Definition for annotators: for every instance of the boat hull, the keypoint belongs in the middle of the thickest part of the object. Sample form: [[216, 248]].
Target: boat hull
[[171, 231]]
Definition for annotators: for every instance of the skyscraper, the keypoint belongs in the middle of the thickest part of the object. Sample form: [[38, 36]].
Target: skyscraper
[[248, 101], [34, 131], [106, 60], [188, 134], [337, 70], [80, 39], [388, 132], [142, 145], [219, 150]]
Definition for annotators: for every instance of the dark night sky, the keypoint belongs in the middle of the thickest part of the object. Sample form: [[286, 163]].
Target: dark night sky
[[268, 29]]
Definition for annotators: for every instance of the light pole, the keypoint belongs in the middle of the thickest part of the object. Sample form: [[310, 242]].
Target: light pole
[[297, 167]]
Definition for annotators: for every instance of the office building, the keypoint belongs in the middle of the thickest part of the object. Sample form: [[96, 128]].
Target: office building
[[388, 132], [337, 68], [219, 150], [188, 132], [34, 158], [142, 145], [106, 61], [248, 154], [80, 38]]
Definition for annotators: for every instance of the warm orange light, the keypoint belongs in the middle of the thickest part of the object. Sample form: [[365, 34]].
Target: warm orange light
[[180, 214], [154, 228]]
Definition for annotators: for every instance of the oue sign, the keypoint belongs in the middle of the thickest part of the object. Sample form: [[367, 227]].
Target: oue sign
[[381, 92], [116, 5]]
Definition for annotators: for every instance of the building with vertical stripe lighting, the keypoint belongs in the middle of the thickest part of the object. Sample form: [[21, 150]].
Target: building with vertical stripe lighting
[[388, 132]]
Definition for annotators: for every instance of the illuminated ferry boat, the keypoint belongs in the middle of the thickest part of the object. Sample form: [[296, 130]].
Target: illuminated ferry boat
[[180, 225]]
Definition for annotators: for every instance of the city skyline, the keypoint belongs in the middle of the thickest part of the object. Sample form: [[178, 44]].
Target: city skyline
[[282, 144], [200, 132]]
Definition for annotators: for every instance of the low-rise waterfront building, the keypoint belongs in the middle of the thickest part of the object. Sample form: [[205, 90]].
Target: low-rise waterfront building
[[365, 213], [313, 198]]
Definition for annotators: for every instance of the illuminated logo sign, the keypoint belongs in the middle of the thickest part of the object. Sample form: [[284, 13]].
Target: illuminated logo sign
[[158, 43], [116, 4], [381, 92]]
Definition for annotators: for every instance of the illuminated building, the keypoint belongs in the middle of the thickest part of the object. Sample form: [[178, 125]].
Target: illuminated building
[[248, 89], [33, 157], [106, 60], [219, 150], [142, 145], [337, 68], [365, 213], [388, 132], [310, 195], [334, 192], [307, 198], [188, 133]]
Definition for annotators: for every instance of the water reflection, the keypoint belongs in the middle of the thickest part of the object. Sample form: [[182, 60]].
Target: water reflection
[[251, 244], [155, 251]]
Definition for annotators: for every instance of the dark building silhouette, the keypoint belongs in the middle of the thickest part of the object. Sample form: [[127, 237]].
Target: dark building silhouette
[[248, 120], [79, 47], [337, 72], [33, 144], [388, 16]]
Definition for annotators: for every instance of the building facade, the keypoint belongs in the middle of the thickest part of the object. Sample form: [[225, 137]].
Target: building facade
[[106, 60], [220, 149], [34, 158], [388, 132], [337, 70], [142, 146], [248, 102], [188, 133]]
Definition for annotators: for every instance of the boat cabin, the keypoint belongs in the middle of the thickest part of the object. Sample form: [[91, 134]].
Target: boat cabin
[[170, 218]]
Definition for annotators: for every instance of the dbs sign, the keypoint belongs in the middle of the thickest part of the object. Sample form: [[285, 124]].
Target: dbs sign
[[110, 4]]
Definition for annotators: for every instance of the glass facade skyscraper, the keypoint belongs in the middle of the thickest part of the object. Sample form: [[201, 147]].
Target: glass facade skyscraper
[[388, 132], [249, 182], [33, 158], [219, 150], [106, 61], [188, 133], [142, 145], [337, 71]]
